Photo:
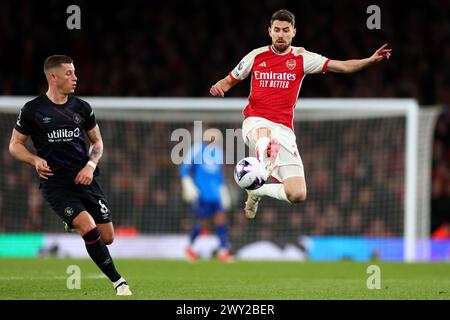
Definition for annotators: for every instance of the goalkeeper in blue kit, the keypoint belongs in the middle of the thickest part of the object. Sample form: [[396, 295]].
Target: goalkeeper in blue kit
[[203, 186]]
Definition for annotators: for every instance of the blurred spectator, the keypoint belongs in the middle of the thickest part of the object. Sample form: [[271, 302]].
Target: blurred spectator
[[356, 176], [440, 205], [118, 53], [352, 185]]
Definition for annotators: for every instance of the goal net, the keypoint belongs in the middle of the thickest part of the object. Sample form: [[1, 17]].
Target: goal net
[[362, 160]]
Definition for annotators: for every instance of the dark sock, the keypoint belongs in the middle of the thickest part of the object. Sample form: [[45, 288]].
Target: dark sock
[[222, 233], [195, 232], [100, 254]]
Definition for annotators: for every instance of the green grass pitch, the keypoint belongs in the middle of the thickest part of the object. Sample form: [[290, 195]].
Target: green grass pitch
[[46, 278]]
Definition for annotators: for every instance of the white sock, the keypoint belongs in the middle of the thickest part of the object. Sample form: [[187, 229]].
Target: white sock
[[273, 190], [261, 149], [116, 283]]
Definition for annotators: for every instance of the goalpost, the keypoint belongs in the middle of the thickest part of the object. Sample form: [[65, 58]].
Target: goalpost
[[362, 157]]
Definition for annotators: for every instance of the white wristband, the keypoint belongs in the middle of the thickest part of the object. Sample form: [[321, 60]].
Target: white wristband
[[92, 164]]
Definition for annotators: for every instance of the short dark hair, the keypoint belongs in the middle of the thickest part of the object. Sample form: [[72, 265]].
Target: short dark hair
[[283, 15], [55, 61]]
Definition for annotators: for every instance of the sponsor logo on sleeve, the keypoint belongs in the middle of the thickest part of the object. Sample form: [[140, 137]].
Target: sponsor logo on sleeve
[[241, 65]]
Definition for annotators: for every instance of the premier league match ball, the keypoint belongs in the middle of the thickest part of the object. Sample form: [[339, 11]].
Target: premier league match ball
[[250, 174]]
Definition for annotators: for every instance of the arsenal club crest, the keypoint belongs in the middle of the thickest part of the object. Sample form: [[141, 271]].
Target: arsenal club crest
[[291, 63]]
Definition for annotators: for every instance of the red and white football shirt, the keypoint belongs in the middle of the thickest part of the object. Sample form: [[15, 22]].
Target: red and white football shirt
[[276, 81]]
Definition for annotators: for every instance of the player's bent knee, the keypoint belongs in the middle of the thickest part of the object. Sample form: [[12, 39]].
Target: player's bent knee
[[108, 240], [296, 196]]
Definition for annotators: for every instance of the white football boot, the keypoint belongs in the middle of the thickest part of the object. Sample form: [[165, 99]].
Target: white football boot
[[123, 290], [251, 205]]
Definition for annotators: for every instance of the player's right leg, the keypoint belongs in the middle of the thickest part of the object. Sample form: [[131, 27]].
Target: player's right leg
[[67, 202], [97, 209], [220, 223], [284, 163], [200, 211], [85, 225], [266, 148]]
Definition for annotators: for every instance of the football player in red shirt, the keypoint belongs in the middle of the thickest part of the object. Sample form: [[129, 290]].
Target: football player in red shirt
[[277, 73]]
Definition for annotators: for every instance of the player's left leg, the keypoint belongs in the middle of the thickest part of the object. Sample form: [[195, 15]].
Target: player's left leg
[[293, 188], [200, 225], [85, 225], [220, 223], [266, 147], [202, 213], [103, 234]]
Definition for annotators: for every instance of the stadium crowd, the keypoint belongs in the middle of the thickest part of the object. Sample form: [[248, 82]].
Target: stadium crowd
[[136, 48], [355, 187]]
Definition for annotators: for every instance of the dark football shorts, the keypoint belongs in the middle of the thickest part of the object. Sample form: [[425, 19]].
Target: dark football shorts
[[206, 209], [68, 200]]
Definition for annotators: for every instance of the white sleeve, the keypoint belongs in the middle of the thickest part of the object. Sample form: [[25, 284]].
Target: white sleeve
[[244, 67], [314, 63]]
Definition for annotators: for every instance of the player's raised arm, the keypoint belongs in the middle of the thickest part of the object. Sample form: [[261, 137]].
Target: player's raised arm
[[355, 65], [86, 174], [222, 86], [19, 151]]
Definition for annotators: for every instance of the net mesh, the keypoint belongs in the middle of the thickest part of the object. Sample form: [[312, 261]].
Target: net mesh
[[354, 168]]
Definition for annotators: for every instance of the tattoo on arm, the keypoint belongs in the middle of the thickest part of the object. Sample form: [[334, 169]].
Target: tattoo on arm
[[97, 144], [96, 152]]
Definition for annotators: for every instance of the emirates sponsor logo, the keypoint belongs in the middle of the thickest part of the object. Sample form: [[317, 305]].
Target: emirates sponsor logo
[[275, 76]]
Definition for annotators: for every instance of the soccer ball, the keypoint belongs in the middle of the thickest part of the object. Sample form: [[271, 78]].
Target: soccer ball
[[250, 174]]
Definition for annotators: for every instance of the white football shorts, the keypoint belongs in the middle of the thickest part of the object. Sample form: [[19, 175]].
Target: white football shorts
[[288, 163]]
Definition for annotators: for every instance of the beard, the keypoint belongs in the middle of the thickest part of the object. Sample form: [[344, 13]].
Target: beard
[[281, 47]]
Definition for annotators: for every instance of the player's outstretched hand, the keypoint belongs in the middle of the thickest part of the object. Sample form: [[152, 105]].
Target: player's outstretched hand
[[381, 54], [85, 176], [217, 91], [42, 168]]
